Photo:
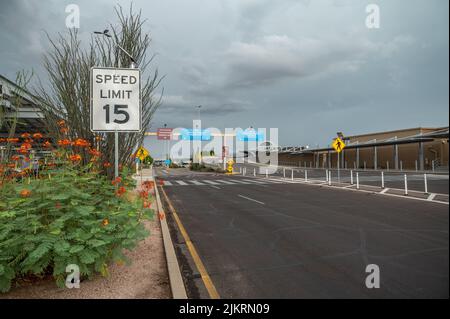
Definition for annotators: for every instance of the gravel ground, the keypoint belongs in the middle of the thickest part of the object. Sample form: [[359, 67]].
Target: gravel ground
[[145, 278]]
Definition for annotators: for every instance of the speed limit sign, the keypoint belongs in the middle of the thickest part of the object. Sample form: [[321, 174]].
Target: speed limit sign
[[115, 100]]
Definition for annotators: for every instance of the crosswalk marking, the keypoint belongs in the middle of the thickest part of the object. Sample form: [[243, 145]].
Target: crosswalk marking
[[218, 182], [241, 181], [211, 182], [225, 182], [196, 182]]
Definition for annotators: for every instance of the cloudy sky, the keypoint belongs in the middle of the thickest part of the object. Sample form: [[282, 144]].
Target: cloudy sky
[[308, 67]]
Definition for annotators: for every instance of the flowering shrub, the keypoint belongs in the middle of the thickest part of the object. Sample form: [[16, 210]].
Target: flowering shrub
[[66, 213]]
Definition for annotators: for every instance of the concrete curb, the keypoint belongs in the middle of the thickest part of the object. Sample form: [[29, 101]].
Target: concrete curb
[[175, 278]]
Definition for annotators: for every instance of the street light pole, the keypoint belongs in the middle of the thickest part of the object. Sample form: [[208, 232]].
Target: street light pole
[[133, 65]]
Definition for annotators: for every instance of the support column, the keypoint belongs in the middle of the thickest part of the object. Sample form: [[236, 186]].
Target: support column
[[375, 157], [357, 156], [395, 154], [421, 158]]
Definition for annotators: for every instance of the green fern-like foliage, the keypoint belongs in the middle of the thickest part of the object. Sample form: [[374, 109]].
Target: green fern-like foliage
[[74, 217]]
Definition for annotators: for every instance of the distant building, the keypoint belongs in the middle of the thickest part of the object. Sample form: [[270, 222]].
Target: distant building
[[17, 102], [412, 149]]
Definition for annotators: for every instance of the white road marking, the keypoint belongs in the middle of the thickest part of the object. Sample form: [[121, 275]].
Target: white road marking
[[384, 190], [196, 182], [431, 197], [254, 181], [210, 182], [215, 187], [240, 181], [167, 183], [181, 183], [251, 199], [225, 182]]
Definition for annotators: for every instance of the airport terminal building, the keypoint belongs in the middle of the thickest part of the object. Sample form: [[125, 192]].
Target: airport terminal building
[[407, 149]]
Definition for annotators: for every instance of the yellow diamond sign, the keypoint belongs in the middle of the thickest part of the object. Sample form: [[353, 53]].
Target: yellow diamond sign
[[338, 144], [142, 153]]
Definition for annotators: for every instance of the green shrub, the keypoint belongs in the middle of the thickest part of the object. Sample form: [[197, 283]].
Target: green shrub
[[72, 216]]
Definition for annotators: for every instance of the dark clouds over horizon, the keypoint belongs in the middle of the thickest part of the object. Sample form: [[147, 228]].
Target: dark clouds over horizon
[[310, 68]]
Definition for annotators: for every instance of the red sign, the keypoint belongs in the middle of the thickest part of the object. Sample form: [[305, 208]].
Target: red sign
[[164, 133]]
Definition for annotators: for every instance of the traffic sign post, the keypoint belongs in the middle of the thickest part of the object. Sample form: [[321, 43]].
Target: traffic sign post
[[338, 146], [115, 103]]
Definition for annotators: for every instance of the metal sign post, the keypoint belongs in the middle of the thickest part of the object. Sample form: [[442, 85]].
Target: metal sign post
[[338, 145]]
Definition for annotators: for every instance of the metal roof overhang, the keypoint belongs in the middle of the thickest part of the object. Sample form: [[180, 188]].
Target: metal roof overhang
[[371, 144]]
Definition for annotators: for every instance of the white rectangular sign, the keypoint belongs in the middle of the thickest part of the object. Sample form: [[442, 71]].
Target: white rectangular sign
[[115, 100]]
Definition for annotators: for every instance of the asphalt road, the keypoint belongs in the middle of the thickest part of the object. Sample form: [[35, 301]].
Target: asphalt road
[[277, 240], [437, 182]]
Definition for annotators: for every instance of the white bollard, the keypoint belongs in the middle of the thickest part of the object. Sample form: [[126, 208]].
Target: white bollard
[[415, 163], [406, 185], [365, 165], [244, 171], [432, 165], [292, 174], [387, 165], [382, 179], [401, 165], [426, 183], [267, 173], [306, 175], [284, 172], [357, 180], [351, 177], [329, 178], [326, 175], [240, 170]]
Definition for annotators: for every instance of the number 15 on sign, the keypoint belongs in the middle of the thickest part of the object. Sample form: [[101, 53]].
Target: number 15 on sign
[[115, 100]]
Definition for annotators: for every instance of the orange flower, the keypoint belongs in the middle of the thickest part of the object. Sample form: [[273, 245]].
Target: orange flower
[[106, 164], [81, 143], [11, 165], [94, 152], [147, 204], [75, 158], [98, 138], [105, 222], [143, 194], [147, 185], [25, 135], [12, 140], [61, 123], [25, 193], [15, 157], [2, 139], [24, 148], [64, 130], [117, 180], [37, 136], [47, 144], [64, 142], [121, 191]]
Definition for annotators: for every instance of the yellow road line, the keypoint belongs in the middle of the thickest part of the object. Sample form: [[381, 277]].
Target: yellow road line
[[213, 294]]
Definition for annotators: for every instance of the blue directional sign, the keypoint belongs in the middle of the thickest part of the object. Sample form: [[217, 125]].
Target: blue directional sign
[[249, 135], [167, 162], [195, 134]]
